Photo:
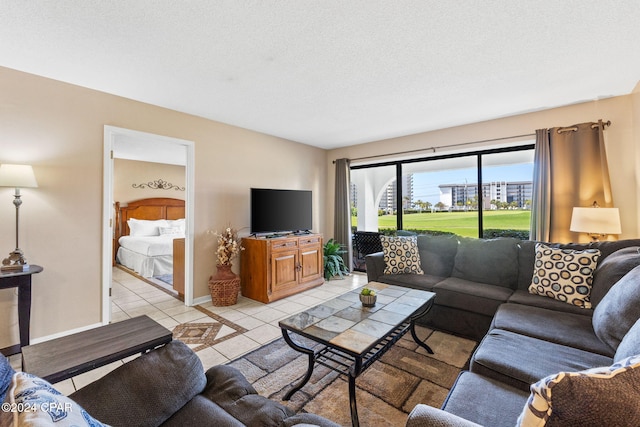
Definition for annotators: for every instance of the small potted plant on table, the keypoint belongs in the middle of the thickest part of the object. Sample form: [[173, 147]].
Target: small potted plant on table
[[368, 297]]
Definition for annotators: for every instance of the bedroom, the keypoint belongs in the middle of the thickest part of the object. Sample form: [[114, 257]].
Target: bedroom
[[134, 181], [58, 128]]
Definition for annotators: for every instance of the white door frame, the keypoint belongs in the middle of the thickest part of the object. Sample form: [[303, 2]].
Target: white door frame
[[111, 135]]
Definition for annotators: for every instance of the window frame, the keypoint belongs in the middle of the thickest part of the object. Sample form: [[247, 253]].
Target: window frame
[[478, 154]]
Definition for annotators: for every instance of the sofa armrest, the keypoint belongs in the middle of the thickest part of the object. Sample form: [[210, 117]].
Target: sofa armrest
[[428, 416], [375, 265], [147, 390]]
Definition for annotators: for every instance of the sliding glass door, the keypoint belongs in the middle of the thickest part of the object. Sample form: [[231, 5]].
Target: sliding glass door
[[480, 194]]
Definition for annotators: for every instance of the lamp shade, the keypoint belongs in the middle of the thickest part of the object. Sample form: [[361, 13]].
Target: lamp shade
[[17, 176], [596, 220]]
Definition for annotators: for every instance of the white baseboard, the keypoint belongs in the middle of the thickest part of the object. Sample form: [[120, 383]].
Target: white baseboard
[[202, 300], [64, 334]]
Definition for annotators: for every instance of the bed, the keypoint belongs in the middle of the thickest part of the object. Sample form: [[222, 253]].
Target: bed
[[145, 234]]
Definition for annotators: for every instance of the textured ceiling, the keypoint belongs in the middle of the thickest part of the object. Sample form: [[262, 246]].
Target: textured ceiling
[[332, 73]]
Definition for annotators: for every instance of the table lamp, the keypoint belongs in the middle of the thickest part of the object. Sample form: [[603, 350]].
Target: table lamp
[[16, 176], [596, 221]]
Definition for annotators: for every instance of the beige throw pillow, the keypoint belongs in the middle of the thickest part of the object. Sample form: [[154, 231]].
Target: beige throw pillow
[[401, 255], [564, 274]]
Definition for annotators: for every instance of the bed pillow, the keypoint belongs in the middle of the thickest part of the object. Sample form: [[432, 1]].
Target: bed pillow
[[143, 227], [43, 405], [564, 274], [179, 223], [171, 231], [401, 255], [605, 396]]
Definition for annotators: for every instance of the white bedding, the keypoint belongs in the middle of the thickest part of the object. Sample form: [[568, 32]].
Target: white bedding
[[149, 245], [147, 255]]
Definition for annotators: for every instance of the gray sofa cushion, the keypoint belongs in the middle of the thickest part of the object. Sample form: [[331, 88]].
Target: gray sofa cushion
[[470, 296], [612, 269], [519, 360], [630, 344], [526, 261], [197, 411], [427, 416], [485, 401], [493, 261], [423, 282], [231, 391], [138, 402], [437, 254], [618, 310], [606, 247], [525, 298], [573, 330]]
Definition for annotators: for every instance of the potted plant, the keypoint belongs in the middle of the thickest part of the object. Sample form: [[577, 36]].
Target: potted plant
[[333, 263], [368, 297]]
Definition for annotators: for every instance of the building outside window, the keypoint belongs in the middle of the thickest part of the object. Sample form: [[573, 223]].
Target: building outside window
[[441, 194]]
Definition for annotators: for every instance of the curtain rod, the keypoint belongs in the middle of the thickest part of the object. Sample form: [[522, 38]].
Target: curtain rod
[[593, 126], [433, 149]]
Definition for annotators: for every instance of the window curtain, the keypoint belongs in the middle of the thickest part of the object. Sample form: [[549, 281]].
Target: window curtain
[[342, 206], [570, 169]]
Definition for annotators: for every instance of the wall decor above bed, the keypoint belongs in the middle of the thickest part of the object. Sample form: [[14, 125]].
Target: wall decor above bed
[[159, 184]]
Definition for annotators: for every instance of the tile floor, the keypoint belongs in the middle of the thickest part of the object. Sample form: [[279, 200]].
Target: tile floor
[[133, 297]]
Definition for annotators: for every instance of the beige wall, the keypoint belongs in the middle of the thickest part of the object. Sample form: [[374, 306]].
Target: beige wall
[[129, 172], [621, 144], [58, 128]]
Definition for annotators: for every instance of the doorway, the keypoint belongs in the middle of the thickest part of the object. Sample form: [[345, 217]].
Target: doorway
[[120, 143]]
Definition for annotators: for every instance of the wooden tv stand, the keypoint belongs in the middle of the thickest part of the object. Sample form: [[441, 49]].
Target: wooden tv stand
[[274, 268]]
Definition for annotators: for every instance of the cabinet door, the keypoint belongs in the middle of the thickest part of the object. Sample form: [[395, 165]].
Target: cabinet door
[[311, 259], [284, 270]]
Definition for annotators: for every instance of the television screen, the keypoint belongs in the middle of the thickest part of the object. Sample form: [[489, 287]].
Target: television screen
[[275, 211]]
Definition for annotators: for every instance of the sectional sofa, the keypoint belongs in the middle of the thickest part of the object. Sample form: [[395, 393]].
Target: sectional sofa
[[585, 349], [164, 387]]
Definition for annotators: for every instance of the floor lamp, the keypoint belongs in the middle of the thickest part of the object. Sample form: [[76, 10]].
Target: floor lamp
[[16, 176]]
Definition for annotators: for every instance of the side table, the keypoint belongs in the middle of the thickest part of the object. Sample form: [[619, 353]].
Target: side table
[[22, 281]]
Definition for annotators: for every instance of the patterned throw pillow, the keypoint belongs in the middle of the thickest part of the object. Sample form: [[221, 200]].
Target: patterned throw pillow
[[32, 401], [606, 396], [564, 274], [401, 255]]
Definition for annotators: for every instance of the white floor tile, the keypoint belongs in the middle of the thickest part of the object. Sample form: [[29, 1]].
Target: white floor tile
[[132, 297]]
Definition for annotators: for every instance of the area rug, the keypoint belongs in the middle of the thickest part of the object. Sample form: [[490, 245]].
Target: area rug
[[386, 392], [200, 335]]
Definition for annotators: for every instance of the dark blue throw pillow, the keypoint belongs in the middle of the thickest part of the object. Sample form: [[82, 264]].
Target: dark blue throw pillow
[[6, 373]]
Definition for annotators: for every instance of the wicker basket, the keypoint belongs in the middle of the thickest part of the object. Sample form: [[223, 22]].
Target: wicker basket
[[224, 287]]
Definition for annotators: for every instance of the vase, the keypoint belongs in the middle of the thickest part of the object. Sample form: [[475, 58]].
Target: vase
[[224, 286], [368, 300]]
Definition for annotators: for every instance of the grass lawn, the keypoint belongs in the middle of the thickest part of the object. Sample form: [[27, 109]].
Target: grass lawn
[[461, 223]]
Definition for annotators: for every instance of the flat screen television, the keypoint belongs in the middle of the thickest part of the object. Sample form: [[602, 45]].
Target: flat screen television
[[279, 211]]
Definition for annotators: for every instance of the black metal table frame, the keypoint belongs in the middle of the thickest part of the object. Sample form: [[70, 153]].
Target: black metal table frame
[[350, 363]]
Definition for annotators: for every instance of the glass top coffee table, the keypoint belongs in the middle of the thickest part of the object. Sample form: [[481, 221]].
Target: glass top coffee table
[[354, 336]]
